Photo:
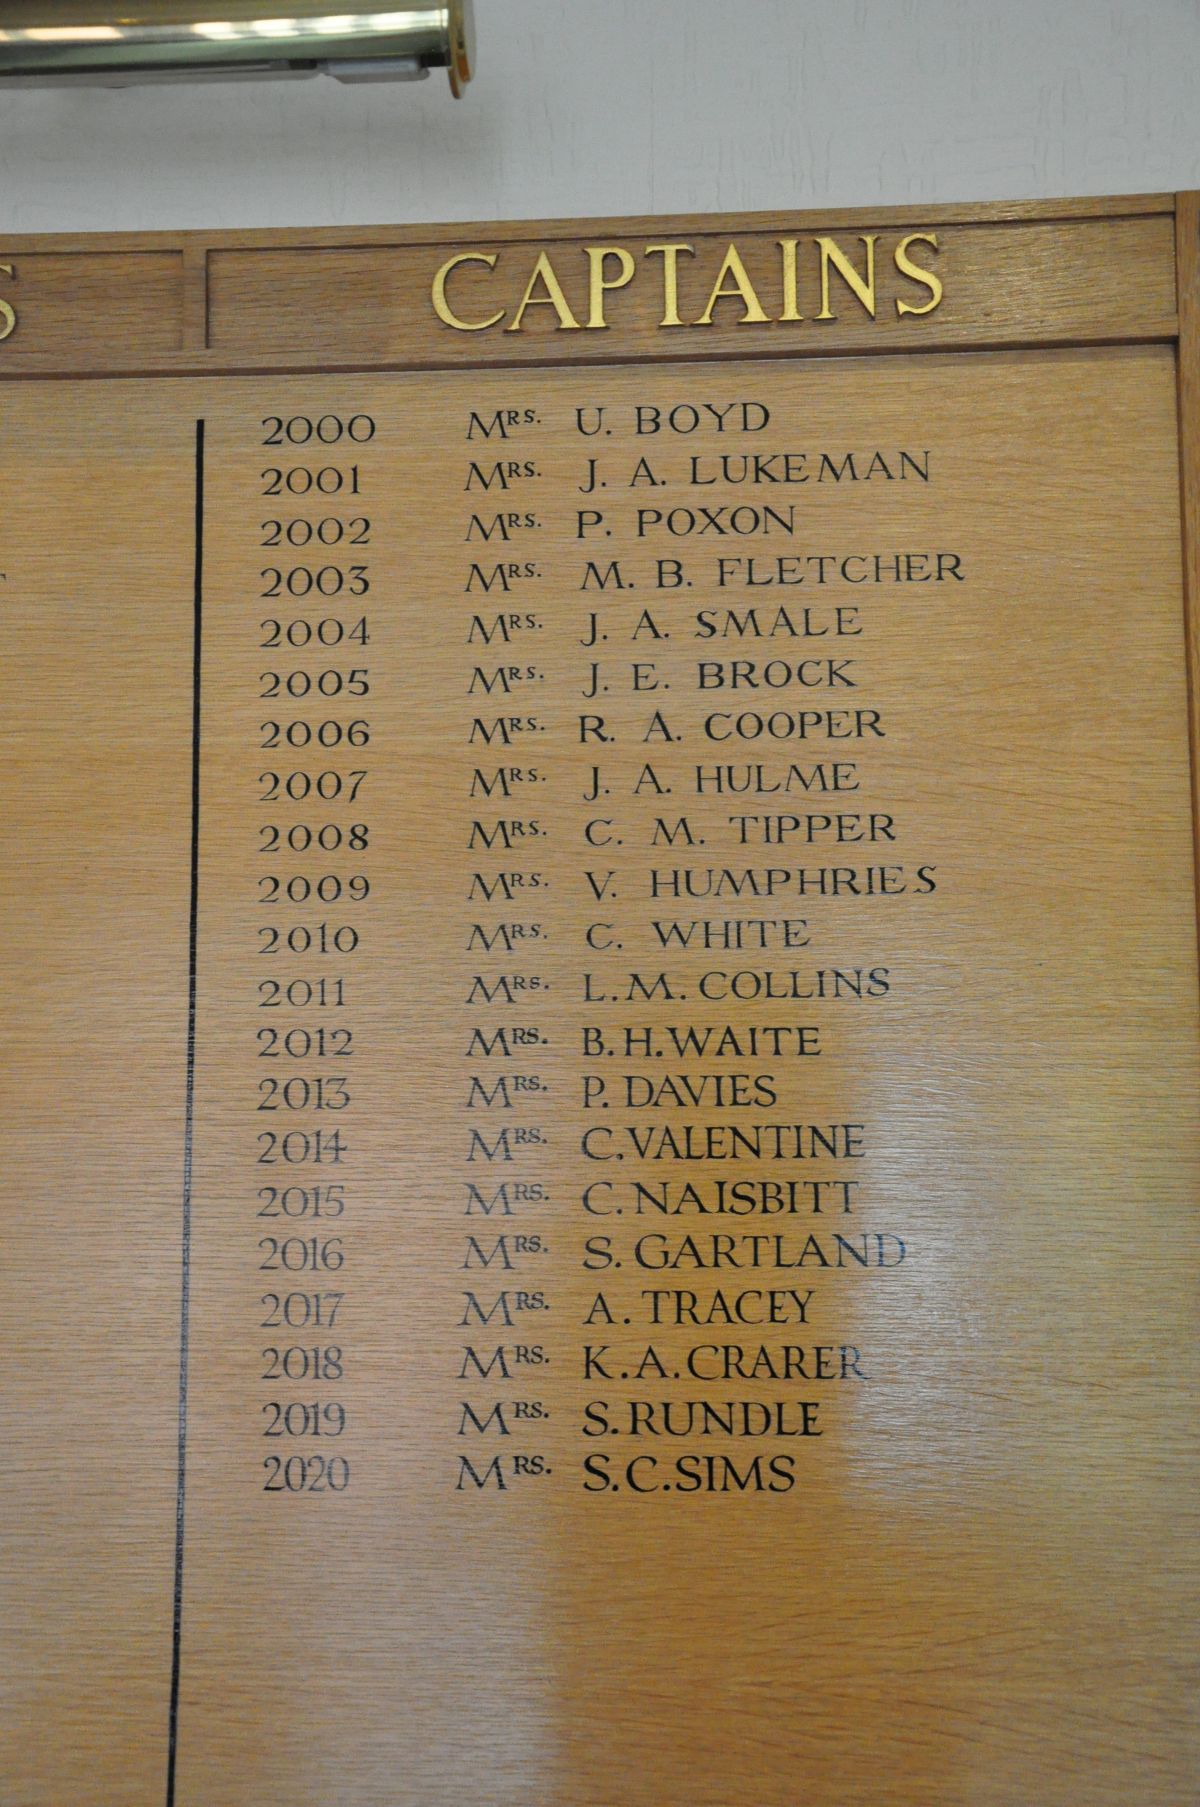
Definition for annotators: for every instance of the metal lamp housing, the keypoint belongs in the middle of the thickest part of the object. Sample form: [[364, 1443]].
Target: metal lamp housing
[[73, 41]]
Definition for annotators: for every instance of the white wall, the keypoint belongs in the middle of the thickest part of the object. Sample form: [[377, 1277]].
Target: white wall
[[638, 106]]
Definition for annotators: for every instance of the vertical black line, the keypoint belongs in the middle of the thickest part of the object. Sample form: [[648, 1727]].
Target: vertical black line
[[188, 1120]]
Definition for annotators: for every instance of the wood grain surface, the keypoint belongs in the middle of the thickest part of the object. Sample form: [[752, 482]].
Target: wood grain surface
[[683, 806], [1053, 273]]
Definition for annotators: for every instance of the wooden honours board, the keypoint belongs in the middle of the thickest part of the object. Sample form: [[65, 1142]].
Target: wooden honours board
[[600, 1011]]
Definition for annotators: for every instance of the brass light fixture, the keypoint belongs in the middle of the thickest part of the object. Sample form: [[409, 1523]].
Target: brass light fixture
[[79, 41]]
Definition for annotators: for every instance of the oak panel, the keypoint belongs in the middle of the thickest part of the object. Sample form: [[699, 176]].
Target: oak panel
[[970, 573], [1034, 282], [120, 304]]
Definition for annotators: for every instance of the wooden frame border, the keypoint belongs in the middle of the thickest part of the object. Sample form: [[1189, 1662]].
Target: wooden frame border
[[1187, 266], [183, 328]]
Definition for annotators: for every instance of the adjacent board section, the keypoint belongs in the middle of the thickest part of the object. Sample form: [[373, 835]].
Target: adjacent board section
[[603, 1149]]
